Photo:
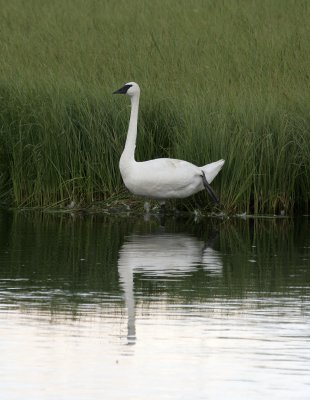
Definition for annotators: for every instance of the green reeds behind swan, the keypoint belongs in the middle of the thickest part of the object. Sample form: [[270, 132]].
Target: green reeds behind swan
[[228, 79]]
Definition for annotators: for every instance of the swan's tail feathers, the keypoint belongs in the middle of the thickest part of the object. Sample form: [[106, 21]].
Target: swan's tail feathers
[[211, 170]]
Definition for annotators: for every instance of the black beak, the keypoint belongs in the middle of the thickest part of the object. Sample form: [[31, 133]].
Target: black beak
[[122, 90]]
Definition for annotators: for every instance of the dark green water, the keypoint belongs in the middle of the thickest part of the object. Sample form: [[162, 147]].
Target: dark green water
[[114, 307]]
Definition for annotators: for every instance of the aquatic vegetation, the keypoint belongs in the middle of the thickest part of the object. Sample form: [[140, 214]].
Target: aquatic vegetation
[[220, 79]]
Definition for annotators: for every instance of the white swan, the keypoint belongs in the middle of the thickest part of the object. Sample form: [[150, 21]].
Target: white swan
[[161, 178]]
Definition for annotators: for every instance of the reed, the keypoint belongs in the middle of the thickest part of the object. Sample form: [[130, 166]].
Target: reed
[[220, 79]]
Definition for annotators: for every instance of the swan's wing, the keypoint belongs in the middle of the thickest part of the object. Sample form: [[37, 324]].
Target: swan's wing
[[170, 165], [174, 163], [170, 170], [165, 178]]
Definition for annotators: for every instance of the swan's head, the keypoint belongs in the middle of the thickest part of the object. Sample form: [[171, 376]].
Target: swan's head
[[130, 88]]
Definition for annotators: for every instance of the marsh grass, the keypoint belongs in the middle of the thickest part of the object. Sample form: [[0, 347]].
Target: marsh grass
[[219, 79]]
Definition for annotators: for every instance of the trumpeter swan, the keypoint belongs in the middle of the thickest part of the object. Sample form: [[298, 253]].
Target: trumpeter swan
[[161, 178]]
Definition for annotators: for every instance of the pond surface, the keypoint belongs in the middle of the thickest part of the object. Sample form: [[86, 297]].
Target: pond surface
[[122, 307]]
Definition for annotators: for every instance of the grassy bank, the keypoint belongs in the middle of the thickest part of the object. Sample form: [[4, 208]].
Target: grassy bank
[[220, 79]]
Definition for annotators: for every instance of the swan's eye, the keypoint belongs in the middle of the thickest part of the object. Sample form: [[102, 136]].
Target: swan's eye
[[126, 87]]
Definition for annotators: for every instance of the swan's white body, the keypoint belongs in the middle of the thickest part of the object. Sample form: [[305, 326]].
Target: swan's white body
[[161, 178]]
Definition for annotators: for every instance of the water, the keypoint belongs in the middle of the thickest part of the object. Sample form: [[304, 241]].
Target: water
[[115, 307]]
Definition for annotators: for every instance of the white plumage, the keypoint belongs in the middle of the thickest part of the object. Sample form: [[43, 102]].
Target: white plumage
[[161, 178]]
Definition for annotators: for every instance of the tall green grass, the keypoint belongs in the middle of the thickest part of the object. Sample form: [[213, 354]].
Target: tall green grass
[[220, 79]]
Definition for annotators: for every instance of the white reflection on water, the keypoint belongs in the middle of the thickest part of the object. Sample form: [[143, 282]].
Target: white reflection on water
[[161, 255], [164, 254], [255, 345]]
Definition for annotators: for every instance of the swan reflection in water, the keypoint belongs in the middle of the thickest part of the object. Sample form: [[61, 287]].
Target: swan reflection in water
[[162, 255]]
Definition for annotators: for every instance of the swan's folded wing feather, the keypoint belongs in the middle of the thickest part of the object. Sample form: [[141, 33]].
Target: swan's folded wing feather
[[165, 178]]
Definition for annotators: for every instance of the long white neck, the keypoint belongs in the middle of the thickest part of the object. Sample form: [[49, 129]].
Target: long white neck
[[129, 150]]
